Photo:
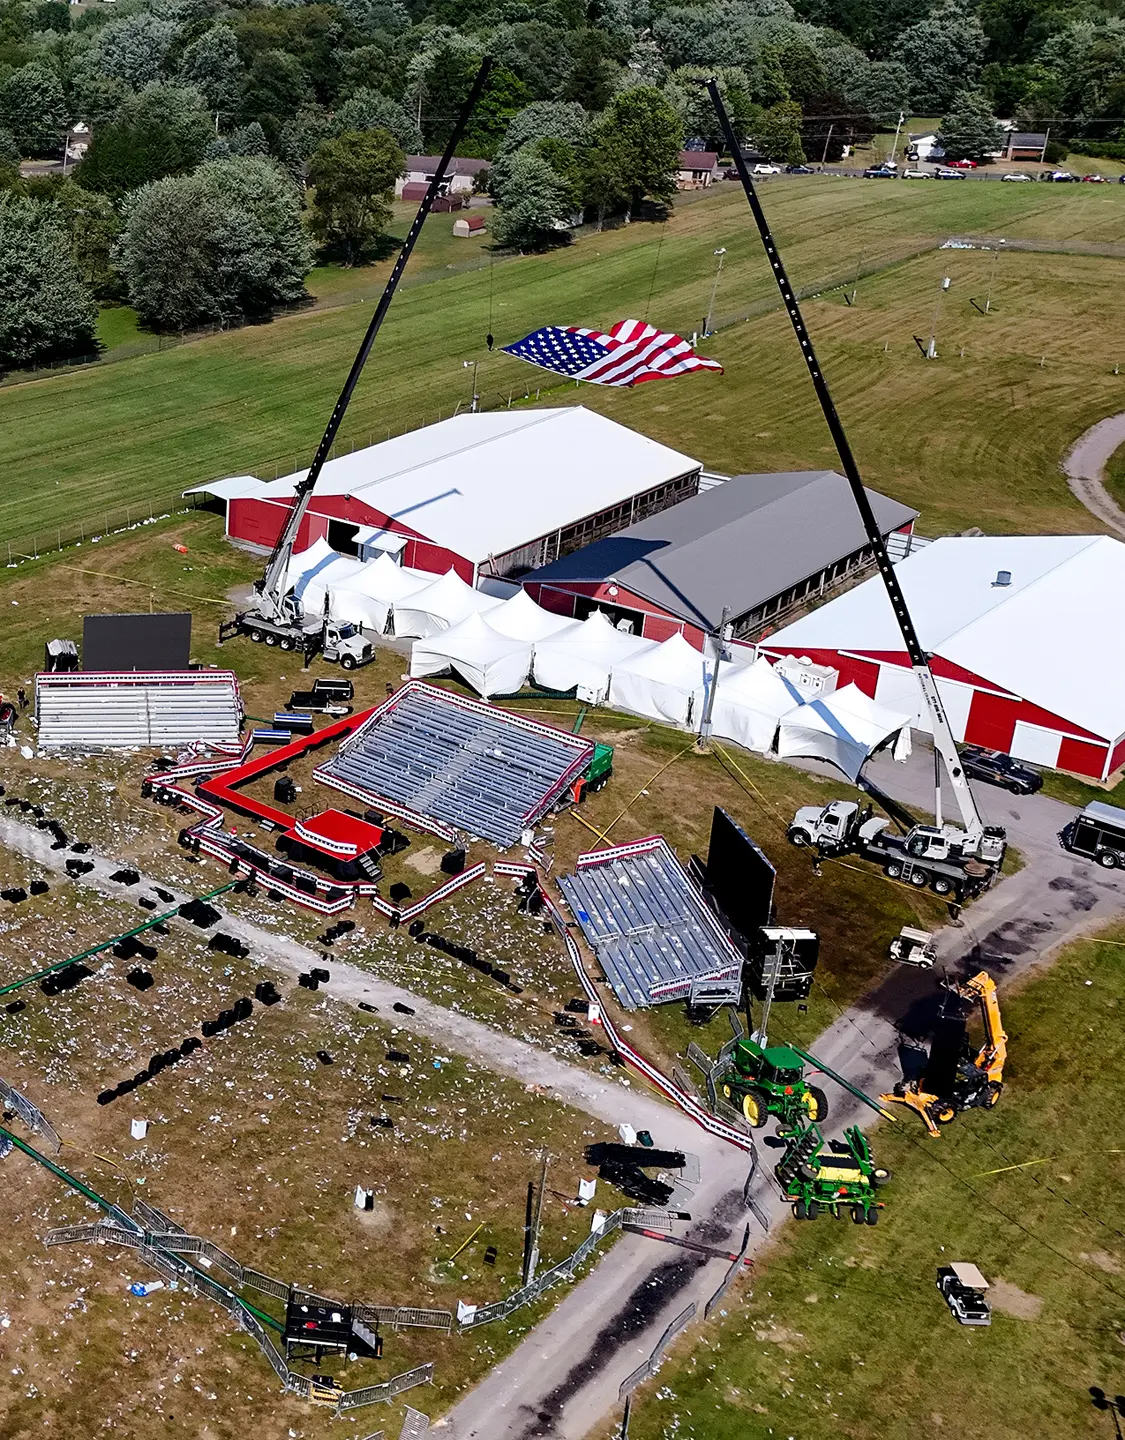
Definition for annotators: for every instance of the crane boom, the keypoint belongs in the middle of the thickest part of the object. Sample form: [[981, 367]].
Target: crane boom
[[945, 747], [272, 584]]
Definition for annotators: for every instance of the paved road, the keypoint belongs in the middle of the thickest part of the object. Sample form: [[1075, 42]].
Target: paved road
[[1084, 465]]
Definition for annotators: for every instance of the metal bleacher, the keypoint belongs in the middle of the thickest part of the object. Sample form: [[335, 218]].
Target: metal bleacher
[[462, 763], [650, 930], [86, 710]]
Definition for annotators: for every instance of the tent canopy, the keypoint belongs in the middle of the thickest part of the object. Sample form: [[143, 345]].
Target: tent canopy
[[367, 596], [440, 606], [493, 664], [584, 655], [844, 728], [749, 703], [315, 571], [666, 683], [522, 619]]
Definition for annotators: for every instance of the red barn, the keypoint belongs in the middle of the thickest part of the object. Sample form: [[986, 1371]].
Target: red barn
[[1025, 638]]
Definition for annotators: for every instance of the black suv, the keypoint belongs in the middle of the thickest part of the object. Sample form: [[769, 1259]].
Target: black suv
[[996, 768]]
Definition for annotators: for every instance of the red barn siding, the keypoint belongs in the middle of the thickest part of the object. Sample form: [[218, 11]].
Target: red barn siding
[[1117, 759], [1083, 758]]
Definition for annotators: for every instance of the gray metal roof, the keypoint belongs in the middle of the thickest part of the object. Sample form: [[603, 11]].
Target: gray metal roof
[[737, 545]]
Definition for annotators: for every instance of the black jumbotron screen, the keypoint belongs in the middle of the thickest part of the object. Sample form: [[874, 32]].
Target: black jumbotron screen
[[739, 876], [136, 642]]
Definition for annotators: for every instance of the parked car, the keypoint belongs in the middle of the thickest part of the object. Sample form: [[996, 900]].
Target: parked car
[[945, 172], [963, 164], [996, 768], [879, 172], [1016, 175], [799, 170], [1093, 180], [915, 174], [1121, 179], [767, 169], [1060, 177]]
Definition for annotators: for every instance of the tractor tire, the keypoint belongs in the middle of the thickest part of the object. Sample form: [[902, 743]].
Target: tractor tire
[[994, 1089], [944, 1112], [815, 1102], [919, 879], [726, 1092], [805, 1172], [755, 1111], [857, 1214], [800, 1210], [941, 885], [893, 869], [798, 837], [814, 1209], [881, 1177], [872, 1216]]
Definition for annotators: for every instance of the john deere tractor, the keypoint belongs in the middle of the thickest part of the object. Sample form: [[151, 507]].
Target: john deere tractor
[[833, 1175], [770, 1080]]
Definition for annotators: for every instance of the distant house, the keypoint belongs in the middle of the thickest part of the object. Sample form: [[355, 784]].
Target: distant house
[[924, 147], [442, 203], [459, 180], [468, 225], [1025, 145], [696, 169]]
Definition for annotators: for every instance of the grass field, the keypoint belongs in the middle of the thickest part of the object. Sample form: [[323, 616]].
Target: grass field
[[840, 1330], [976, 440], [1115, 476]]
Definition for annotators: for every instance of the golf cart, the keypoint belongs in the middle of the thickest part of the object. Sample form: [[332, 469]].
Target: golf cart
[[962, 1288], [914, 947]]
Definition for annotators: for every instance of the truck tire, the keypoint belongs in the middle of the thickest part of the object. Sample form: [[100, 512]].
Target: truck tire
[[271, 639], [257, 636], [286, 643], [942, 885], [919, 878], [892, 869], [348, 662], [1107, 859], [798, 837]]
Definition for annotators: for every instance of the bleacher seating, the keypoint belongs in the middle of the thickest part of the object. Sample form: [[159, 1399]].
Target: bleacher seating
[[80, 710]]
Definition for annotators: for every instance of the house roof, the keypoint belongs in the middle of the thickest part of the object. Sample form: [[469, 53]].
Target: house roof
[[482, 485], [1043, 637], [459, 165], [697, 160], [736, 545]]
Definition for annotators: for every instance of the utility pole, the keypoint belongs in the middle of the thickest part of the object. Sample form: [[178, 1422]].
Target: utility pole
[[931, 348], [769, 979], [992, 276], [827, 141], [720, 252], [717, 638], [474, 405], [531, 1250], [898, 127]]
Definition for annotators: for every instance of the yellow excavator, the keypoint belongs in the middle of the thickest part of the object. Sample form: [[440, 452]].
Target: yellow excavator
[[953, 1079]]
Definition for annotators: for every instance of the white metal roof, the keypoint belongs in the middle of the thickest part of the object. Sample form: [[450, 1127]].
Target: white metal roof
[[1052, 636], [482, 485]]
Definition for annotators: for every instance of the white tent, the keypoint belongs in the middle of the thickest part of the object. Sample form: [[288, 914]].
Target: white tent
[[520, 618], [584, 655], [749, 703], [493, 664], [440, 606], [313, 572], [367, 597], [843, 728], [666, 683]]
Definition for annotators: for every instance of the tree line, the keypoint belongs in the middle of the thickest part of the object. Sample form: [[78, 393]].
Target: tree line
[[233, 139]]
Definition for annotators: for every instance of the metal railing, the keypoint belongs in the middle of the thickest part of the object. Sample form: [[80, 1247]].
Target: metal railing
[[31, 1115], [652, 1364], [371, 1394]]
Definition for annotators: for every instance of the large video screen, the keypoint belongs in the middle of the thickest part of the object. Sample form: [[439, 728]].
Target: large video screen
[[739, 876], [136, 642]]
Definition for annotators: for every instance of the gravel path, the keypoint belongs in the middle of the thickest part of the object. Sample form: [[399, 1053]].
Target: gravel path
[[1084, 466]]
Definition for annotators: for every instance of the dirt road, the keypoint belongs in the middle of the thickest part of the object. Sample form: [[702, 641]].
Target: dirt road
[[1084, 466]]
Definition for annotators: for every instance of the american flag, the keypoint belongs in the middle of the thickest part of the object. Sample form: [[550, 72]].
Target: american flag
[[630, 353]]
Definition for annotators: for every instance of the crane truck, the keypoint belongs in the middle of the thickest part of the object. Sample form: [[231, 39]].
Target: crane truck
[[276, 615], [939, 845]]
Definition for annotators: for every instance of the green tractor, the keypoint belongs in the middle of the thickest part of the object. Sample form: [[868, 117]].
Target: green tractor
[[832, 1175], [770, 1080]]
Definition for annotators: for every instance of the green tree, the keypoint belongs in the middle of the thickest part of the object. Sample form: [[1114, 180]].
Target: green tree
[[375, 66], [537, 205], [606, 176], [353, 176], [33, 109], [969, 130], [650, 135], [537, 53], [370, 110], [777, 133], [212, 65], [133, 49], [165, 130], [442, 75], [590, 80], [221, 244], [801, 67], [543, 119], [46, 313], [692, 104], [53, 15], [943, 54], [93, 226], [275, 88]]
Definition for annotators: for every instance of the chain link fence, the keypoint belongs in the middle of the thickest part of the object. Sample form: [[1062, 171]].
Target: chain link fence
[[93, 525]]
